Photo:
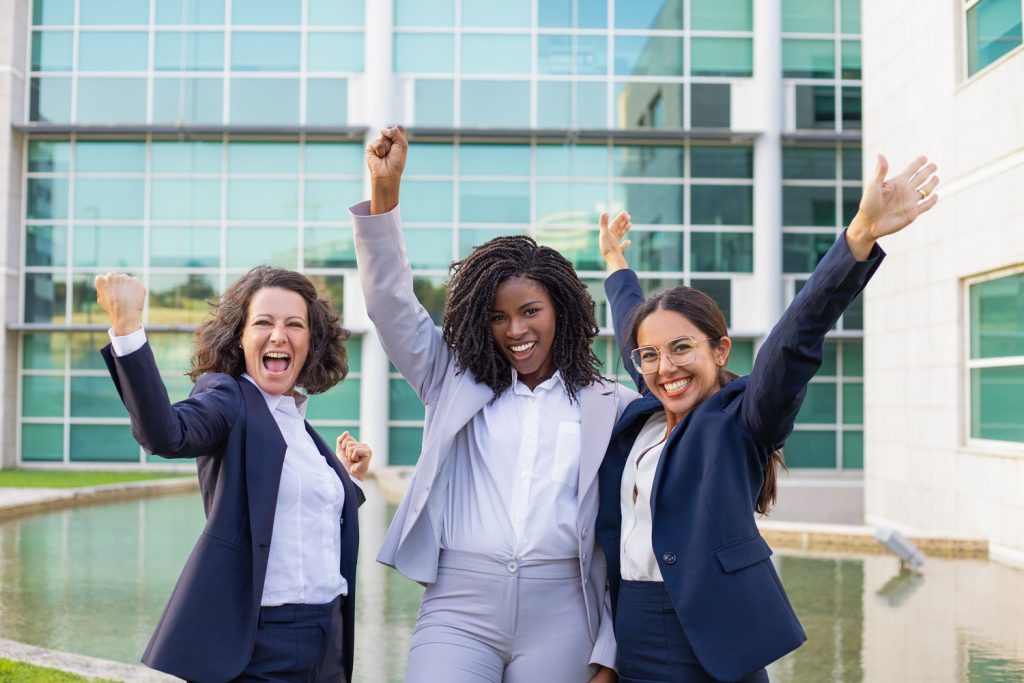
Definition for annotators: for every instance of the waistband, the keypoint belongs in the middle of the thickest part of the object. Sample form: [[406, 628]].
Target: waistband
[[300, 612], [528, 569]]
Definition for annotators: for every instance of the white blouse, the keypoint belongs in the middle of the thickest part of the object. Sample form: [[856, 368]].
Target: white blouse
[[636, 549]]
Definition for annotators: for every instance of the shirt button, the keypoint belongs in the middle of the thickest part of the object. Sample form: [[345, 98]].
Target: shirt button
[[583, 557], [512, 567], [583, 533], [525, 474], [669, 558]]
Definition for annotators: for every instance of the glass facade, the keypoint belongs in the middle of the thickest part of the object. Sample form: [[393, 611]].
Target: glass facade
[[529, 118], [993, 28]]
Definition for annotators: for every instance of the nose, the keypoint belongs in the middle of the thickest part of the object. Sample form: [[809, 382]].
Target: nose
[[277, 335], [665, 365], [516, 327]]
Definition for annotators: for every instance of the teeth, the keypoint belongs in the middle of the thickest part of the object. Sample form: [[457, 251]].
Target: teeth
[[518, 348], [677, 385], [276, 354]]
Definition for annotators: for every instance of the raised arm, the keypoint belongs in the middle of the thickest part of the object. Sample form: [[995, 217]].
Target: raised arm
[[792, 353], [621, 286]]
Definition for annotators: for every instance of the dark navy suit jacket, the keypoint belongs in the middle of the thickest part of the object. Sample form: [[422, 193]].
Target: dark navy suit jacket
[[208, 629], [716, 566]]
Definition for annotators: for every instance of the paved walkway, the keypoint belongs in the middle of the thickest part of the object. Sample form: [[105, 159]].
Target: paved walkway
[[89, 667]]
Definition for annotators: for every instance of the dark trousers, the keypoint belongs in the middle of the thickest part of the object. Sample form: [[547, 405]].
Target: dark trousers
[[653, 648], [298, 644]]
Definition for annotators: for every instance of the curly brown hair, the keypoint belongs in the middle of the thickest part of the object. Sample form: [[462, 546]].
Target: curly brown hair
[[218, 337], [467, 313]]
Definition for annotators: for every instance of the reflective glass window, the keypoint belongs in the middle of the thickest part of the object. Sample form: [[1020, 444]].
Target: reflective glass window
[[172, 350], [111, 100], [188, 100], [851, 203], [48, 156], [46, 198], [570, 203], [334, 51], [42, 442], [711, 106], [649, 161], [811, 448], [801, 252], [102, 443], [177, 12], [53, 12], [721, 162], [335, 12], [42, 396], [428, 201], [431, 292], [185, 198], [404, 403], [335, 158], [656, 250], [722, 205], [113, 12], [495, 54], [470, 238], [50, 100], [851, 59], [191, 51], [267, 12], [494, 202], [184, 246], [112, 51], [850, 11], [265, 51], [809, 163], [649, 105], [110, 156], [251, 246], [852, 163], [263, 200], [46, 245], [326, 101], [808, 16], [853, 359], [328, 200], [812, 206], [815, 106], [719, 290], [419, 13], [722, 57], [572, 160], [653, 14], [820, 405], [424, 53], [569, 104], [262, 157], [572, 13], [172, 156], [434, 103], [487, 13], [853, 403], [45, 297], [329, 248], [109, 246], [650, 204], [808, 58], [851, 108], [180, 298], [341, 402], [572, 55], [332, 288], [997, 397], [52, 50], [648, 56], [265, 101], [997, 317], [497, 104], [109, 198], [95, 397], [579, 246], [432, 159], [503, 160], [722, 15], [429, 248], [853, 449], [722, 252]]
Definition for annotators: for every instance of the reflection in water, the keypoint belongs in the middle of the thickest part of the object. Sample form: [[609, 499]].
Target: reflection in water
[[94, 581]]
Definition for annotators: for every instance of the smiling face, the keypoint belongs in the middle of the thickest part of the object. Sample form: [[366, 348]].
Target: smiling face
[[681, 388], [275, 339], [523, 328]]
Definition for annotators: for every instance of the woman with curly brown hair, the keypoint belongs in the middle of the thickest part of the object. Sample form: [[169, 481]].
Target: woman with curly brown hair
[[498, 521], [268, 591]]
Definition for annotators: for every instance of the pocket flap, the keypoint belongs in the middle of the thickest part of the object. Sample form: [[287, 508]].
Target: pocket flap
[[743, 553]]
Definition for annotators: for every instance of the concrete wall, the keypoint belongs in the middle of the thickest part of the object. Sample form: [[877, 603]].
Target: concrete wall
[[919, 471]]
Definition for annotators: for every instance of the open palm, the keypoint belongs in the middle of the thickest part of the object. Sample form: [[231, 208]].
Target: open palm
[[889, 205]]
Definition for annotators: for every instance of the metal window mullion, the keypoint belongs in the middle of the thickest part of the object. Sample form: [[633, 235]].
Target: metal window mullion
[[224, 185], [151, 63], [75, 33], [303, 61], [225, 116]]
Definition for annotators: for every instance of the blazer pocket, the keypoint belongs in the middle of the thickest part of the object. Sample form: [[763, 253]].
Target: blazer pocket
[[736, 556], [216, 540], [566, 465]]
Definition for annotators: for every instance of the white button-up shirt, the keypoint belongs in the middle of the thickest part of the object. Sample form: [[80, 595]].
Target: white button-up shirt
[[514, 494], [636, 547]]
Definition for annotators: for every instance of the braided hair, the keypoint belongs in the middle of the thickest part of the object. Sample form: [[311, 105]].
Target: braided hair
[[467, 314]]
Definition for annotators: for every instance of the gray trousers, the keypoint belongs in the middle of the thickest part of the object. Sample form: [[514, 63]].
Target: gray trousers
[[495, 621]]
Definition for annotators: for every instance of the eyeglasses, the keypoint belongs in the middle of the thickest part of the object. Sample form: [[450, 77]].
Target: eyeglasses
[[681, 351]]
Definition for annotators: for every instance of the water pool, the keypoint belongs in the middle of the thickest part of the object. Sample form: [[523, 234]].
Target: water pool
[[93, 580]]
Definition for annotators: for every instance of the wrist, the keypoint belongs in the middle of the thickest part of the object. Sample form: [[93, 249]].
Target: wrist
[[860, 237], [122, 328], [383, 196], [615, 264]]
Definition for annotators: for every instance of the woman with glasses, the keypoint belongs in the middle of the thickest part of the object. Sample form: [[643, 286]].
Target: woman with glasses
[[694, 594]]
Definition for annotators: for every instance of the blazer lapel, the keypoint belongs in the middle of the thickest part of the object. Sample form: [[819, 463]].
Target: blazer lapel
[[597, 417], [264, 457]]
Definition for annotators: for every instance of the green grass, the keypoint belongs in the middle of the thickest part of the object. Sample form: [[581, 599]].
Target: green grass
[[19, 672], [58, 479]]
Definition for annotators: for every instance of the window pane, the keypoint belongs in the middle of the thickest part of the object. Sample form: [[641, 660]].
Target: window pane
[[719, 290], [572, 55], [180, 299], [852, 169], [657, 251], [572, 13], [649, 105], [46, 198], [328, 200], [263, 101], [808, 58], [45, 297], [997, 402], [812, 206], [654, 14], [186, 199], [722, 15], [722, 252], [853, 450], [505, 14], [52, 50], [267, 12], [109, 246], [265, 51], [53, 12], [721, 162], [42, 396], [851, 109], [429, 247], [404, 444], [853, 403], [811, 448], [800, 253], [648, 56], [820, 404], [186, 246], [50, 100], [109, 198], [193, 51], [335, 52], [808, 16], [494, 160], [339, 158], [829, 356], [434, 103], [712, 105], [419, 13], [42, 442], [997, 317], [329, 248], [815, 107], [326, 101], [649, 161], [494, 202], [46, 245], [993, 29], [103, 443], [495, 54], [95, 156], [722, 205], [189, 12], [470, 238], [427, 201], [853, 318], [111, 100], [808, 163], [722, 57], [263, 157], [570, 203], [430, 159], [341, 402], [113, 12], [336, 12], [48, 156], [741, 357], [567, 104], [850, 10], [95, 397], [430, 291], [580, 247], [43, 351], [575, 161], [188, 100], [112, 51], [424, 53], [498, 104], [853, 359], [851, 203], [851, 59], [251, 246], [650, 204], [171, 156]]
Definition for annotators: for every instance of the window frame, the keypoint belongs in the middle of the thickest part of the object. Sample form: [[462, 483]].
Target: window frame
[[965, 42]]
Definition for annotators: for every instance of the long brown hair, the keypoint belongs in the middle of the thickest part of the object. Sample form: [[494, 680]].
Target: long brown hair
[[701, 310], [218, 337]]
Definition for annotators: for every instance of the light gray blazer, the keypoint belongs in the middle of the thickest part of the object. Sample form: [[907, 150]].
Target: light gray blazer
[[415, 345]]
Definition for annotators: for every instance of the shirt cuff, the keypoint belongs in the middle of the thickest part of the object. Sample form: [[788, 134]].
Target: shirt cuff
[[358, 483], [129, 343]]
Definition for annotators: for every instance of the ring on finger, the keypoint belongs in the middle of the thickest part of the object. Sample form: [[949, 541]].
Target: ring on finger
[[924, 195]]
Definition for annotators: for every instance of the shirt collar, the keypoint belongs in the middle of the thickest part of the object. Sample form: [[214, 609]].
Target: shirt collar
[[547, 385], [294, 404]]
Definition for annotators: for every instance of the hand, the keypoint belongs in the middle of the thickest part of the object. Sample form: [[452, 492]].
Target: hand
[[385, 158], [888, 206], [605, 675], [353, 455], [122, 297], [611, 243]]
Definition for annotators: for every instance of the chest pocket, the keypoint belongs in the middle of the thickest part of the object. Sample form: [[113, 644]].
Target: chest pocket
[[566, 463]]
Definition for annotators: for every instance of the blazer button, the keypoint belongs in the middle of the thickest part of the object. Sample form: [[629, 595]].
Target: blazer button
[[669, 558]]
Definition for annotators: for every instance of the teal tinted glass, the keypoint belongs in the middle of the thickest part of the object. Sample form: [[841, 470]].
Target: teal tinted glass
[[574, 161], [335, 12], [721, 162], [45, 296], [431, 159], [328, 200], [653, 14], [853, 403], [83, 349], [572, 55], [428, 201], [326, 101], [808, 58], [494, 160], [853, 450], [829, 362], [341, 402], [42, 442], [505, 14], [572, 13], [251, 246], [656, 251], [418, 13], [404, 445], [96, 156], [109, 198], [850, 20], [265, 51], [188, 100], [997, 402], [113, 12], [53, 12], [496, 202], [403, 402], [808, 16], [42, 396], [801, 252], [46, 198], [172, 156], [811, 449], [649, 105], [471, 238], [650, 204], [266, 12], [997, 317], [429, 248], [852, 169], [430, 291], [46, 245], [103, 443], [722, 15], [354, 348], [853, 359], [809, 206], [263, 157], [722, 57], [263, 200], [50, 100], [648, 161], [109, 246], [722, 252], [570, 203], [112, 51], [852, 104], [851, 59], [424, 53], [434, 103], [329, 248], [722, 205], [741, 356], [568, 104], [579, 246], [331, 288], [48, 156], [498, 104], [176, 12], [192, 51], [336, 158], [495, 54], [648, 56], [43, 351], [265, 101], [180, 298], [95, 397], [809, 163], [185, 199], [184, 246], [52, 50], [334, 52], [111, 100], [820, 404]]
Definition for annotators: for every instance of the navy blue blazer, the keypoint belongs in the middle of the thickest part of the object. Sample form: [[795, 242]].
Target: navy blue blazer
[[208, 629], [716, 566]]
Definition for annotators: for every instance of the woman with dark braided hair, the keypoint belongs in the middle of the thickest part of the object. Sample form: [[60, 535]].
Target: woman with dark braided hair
[[498, 522]]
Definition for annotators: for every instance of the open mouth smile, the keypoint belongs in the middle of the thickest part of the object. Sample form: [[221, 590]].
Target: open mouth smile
[[676, 387], [276, 362]]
